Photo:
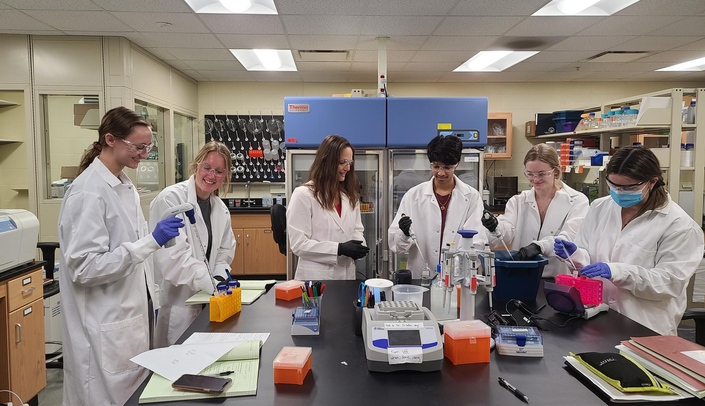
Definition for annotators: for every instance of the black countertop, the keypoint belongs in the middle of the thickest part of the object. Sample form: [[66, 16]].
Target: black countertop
[[19, 270], [339, 374]]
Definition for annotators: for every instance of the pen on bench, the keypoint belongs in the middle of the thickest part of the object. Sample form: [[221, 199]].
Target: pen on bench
[[503, 382], [224, 373]]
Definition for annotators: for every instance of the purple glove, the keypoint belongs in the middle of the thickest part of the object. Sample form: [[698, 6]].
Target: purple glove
[[597, 269], [563, 248], [167, 229]]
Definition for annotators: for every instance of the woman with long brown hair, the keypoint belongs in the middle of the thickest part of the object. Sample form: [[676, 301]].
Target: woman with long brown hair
[[323, 216]]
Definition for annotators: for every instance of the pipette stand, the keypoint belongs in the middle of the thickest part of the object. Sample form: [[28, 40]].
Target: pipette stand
[[463, 267]]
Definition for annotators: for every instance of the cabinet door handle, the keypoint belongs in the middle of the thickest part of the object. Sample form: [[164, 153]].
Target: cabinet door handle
[[27, 291], [248, 239], [18, 329]]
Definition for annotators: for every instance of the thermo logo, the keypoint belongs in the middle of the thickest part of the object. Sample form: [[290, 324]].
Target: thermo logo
[[298, 108]]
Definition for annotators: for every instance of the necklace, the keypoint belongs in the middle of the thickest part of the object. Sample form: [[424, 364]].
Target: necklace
[[444, 203]]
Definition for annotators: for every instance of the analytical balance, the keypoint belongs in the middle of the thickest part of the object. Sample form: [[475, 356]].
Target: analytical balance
[[19, 233], [401, 336]]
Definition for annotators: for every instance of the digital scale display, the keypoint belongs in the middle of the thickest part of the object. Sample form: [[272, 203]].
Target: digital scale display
[[6, 224]]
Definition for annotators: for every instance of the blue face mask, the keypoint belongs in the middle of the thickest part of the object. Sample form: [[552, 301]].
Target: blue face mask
[[626, 199]]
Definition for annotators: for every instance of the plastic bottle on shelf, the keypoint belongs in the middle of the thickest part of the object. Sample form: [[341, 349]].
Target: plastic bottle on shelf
[[279, 199], [617, 120], [690, 113], [610, 119], [687, 161]]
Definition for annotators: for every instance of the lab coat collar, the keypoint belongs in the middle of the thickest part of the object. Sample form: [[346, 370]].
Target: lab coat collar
[[108, 176], [344, 211], [565, 192]]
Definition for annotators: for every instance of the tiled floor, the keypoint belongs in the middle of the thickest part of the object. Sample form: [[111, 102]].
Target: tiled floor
[[51, 395]]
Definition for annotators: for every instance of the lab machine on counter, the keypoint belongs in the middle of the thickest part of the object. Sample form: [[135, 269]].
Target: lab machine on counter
[[389, 136], [19, 234], [401, 336]]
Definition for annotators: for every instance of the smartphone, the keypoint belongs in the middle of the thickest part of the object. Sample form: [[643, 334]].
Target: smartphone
[[201, 383]]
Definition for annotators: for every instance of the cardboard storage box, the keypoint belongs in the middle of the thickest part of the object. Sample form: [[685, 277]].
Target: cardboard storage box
[[69, 172]]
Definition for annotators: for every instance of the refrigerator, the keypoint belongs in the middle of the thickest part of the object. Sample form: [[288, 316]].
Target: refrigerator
[[369, 168], [410, 167], [389, 136]]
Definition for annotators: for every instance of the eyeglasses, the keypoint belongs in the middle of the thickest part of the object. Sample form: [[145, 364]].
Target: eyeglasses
[[542, 174], [132, 147], [207, 170], [444, 168], [625, 188], [346, 162]]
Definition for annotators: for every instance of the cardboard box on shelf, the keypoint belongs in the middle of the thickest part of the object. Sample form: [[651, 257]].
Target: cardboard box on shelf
[[69, 172]]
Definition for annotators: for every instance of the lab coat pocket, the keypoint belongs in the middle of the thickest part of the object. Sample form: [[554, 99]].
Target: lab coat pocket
[[180, 318], [120, 341], [640, 255]]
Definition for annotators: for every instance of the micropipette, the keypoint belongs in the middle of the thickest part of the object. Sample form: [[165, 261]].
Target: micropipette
[[496, 232]]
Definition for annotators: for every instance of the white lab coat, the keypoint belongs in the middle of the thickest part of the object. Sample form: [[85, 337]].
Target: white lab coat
[[520, 225], [652, 260], [314, 234], [419, 203], [106, 269], [180, 269]]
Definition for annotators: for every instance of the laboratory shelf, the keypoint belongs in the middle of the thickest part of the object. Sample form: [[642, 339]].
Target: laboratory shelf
[[6, 141]]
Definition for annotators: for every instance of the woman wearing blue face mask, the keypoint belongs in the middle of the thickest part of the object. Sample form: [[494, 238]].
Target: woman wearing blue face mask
[[644, 245]]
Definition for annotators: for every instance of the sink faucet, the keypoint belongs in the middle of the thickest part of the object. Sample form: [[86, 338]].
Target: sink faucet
[[248, 201]]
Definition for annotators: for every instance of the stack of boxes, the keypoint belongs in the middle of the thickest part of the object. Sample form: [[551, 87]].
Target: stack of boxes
[[569, 151]]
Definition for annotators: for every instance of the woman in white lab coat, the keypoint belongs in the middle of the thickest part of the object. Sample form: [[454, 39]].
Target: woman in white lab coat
[[643, 245], [106, 267], [439, 208], [182, 270], [535, 217], [323, 220]]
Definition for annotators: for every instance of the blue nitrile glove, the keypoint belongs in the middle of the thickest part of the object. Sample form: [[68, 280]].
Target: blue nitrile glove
[[597, 269], [564, 248], [191, 214], [167, 229]]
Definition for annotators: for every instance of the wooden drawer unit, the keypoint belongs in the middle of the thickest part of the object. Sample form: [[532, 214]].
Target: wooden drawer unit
[[256, 252], [25, 289], [22, 362]]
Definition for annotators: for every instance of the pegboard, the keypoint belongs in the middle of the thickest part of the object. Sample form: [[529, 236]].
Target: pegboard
[[256, 145]]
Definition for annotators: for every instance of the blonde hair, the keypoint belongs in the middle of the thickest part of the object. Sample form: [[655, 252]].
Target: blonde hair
[[222, 150], [545, 154]]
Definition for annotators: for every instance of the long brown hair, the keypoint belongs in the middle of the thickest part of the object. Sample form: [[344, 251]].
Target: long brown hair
[[222, 150], [119, 122], [546, 154], [642, 165], [324, 173]]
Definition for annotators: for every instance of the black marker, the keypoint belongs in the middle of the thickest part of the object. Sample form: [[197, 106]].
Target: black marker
[[514, 390]]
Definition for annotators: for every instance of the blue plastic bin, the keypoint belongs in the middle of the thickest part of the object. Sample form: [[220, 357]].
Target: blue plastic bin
[[517, 279]]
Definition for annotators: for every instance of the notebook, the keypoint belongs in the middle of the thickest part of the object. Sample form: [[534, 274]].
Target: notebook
[[243, 360], [250, 291], [679, 352]]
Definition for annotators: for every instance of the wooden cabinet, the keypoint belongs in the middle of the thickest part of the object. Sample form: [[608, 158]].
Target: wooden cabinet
[[499, 136], [256, 252], [22, 363]]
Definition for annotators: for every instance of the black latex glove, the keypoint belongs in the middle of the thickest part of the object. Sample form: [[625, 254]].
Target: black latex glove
[[528, 253], [353, 249], [489, 221], [405, 225]]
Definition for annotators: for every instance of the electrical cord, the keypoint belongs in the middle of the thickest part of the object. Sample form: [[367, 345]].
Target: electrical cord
[[556, 324], [16, 395]]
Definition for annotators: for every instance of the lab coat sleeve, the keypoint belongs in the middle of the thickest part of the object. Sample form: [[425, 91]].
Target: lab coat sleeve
[[86, 243], [398, 241], [507, 224], [576, 215], [678, 255], [300, 225], [359, 233], [177, 264]]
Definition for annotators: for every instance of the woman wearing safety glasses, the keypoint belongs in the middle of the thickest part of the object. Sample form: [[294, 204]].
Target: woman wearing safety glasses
[[201, 256], [438, 207], [644, 245], [535, 217], [106, 266], [323, 219]]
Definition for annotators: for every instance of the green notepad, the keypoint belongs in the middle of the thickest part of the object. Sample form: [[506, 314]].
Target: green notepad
[[243, 360]]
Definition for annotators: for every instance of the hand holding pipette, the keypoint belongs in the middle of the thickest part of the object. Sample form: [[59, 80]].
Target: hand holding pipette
[[405, 227], [490, 222], [565, 249]]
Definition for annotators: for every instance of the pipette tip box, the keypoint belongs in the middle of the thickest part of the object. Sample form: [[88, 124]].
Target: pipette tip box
[[288, 290], [466, 342], [292, 364]]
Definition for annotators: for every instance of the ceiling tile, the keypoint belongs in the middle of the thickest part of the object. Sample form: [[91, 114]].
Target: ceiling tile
[[401, 43], [396, 25], [456, 43], [665, 8], [417, 76], [392, 56], [372, 67], [174, 40], [672, 57], [498, 7], [239, 41], [560, 56], [149, 22], [444, 66], [696, 46], [687, 26], [176, 64], [442, 56], [476, 25], [161, 6], [594, 43], [193, 74], [653, 43], [323, 66], [52, 5], [551, 26], [321, 7], [200, 54], [322, 25], [227, 76], [629, 25], [161, 53], [243, 23], [12, 20], [406, 8], [277, 76], [91, 21], [233, 65]]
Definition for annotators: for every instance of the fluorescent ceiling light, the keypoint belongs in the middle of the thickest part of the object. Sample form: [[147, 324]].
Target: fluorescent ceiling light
[[236, 6], [494, 61], [583, 7], [265, 59], [696, 65], [233, 6]]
